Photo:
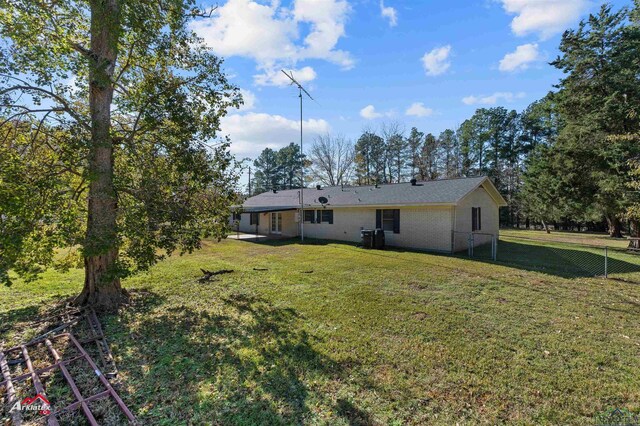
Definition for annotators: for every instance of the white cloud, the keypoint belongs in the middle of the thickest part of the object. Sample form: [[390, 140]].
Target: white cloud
[[417, 109], [544, 17], [247, 28], [436, 62], [492, 99], [369, 112], [327, 19], [520, 59], [270, 33], [275, 77], [389, 13], [249, 99], [252, 132]]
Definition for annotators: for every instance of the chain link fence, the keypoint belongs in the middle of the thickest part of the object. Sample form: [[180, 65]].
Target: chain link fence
[[571, 260], [475, 245]]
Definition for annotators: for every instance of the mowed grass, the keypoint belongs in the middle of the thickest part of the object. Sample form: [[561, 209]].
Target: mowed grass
[[568, 254], [333, 334], [599, 239]]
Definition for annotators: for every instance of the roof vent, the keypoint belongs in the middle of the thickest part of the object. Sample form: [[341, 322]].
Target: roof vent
[[414, 182], [275, 191], [318, 187]]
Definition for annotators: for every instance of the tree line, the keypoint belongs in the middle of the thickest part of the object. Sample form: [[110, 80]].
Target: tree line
[[571, 159], [494, 142]]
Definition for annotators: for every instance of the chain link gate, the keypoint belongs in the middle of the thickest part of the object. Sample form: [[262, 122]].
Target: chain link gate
[[477, 245]]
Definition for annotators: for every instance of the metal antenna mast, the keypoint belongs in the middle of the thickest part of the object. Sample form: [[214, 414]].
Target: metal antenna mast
[[249, 186], [301, 89]]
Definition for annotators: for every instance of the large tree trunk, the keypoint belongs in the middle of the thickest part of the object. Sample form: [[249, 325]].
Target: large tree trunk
[[102, 284], [615, 228]]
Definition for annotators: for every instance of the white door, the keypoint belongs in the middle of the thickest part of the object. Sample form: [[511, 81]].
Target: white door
[[276, 223]]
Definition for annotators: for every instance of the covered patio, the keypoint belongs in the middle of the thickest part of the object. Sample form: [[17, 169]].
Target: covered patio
[[272, 222]]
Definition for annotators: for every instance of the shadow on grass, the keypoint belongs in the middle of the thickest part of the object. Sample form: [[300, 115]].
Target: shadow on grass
[[282, 241], [565, 262], [559, 261], [353, 415], [9, 319], [35, 320], [244, 362], [247, 362]]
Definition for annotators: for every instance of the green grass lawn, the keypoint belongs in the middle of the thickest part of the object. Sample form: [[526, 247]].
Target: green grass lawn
[[568, 254], [600, 239], [337, 335]]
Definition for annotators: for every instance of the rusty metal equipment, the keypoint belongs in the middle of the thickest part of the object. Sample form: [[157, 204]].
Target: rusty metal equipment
[[81, 402], [72, 317], [97, 336]]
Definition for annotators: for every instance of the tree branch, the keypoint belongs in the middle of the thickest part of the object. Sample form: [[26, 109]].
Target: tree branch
[[26, 87]]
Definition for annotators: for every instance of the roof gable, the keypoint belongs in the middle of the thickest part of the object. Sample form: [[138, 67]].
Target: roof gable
[[494, 193]]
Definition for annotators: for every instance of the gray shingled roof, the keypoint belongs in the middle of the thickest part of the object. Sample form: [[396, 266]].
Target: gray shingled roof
[[446, 191]]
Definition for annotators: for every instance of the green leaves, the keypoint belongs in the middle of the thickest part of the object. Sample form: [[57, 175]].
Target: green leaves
[[39, 210], [173, 175], [278, 169], [584, 174]]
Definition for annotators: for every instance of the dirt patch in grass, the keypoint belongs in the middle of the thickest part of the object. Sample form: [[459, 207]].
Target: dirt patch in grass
[[420, 316]]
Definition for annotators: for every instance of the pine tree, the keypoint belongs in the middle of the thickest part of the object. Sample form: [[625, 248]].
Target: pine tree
[[448, 143], [429, 163], [600, 89], [466, 137], [268, 174], [290, 160], [414, 143], [370, 159]]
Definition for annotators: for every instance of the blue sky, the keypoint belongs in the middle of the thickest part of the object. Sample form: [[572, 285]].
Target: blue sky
[[427, 64]]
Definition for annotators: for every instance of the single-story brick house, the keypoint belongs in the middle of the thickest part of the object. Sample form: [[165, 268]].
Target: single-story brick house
[[433, 215]]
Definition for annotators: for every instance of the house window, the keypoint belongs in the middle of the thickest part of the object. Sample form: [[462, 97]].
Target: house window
[[318, 216], [309, 216], [237, 216], [388, 219], [476, 219], [254, 219], [327, 216]]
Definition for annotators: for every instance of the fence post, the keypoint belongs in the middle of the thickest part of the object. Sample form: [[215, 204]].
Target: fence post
[[453, 241], [494, 246], [606, 262]]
